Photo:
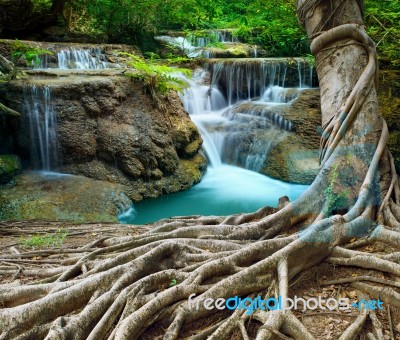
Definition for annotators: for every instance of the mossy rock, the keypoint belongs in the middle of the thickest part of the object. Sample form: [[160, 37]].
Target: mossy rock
[[10, 165], [54, 197]]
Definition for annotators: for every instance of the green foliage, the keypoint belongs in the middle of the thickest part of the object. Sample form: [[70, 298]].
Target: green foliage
[[157, 77], [174, 60], [45, 241], [311, 59], [173, 283], [152, 56], [30, 54], [41, 5], [382, 19], [271, 24]]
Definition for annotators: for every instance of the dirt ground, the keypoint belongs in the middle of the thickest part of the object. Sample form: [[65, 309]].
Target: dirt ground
[[26, 268]]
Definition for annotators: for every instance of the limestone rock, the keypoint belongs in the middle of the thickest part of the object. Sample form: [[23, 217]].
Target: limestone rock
[[109, 129], [62, 197]]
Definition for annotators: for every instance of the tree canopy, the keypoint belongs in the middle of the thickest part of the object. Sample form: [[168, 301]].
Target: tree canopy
[[270, 24]]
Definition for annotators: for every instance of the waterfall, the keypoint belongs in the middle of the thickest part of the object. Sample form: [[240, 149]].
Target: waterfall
[[254, 51], [78, 58], [243, 122], [201, 101], [183, 44], [195, 46], [249, 78], [208, 37], [42, 126], [83, 59]]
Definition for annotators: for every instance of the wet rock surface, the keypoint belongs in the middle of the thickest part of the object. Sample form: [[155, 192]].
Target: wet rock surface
[[234, 50]]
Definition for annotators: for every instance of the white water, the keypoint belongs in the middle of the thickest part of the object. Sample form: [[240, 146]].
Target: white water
[[194, 47], [226, 127], [223, 36], [183, 44], [42, 127], [79, 59], [91, 59], [225, 189]]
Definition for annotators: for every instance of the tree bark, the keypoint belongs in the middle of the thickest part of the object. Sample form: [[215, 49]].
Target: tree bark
[[119, 287]]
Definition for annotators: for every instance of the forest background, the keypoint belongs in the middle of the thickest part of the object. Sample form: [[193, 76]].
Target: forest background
[[269, 24]]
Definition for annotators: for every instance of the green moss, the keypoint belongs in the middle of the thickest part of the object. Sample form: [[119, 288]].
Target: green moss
[[195, 167], [54, 240], [10, 165], [193, 147], [238, 51]]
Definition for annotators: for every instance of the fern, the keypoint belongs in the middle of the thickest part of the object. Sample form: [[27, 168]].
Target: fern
[[157, 77]]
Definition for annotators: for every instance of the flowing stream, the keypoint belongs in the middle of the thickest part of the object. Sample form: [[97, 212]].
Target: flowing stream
[[223, 123]]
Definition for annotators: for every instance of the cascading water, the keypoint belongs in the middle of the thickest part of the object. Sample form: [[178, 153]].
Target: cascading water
[[194, 46], [238, 130], [183, 44], [250, 78], [80, 59], [42, 127], [222, 36], [249, 123]]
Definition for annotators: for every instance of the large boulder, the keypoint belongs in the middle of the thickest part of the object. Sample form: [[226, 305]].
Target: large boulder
[[109, 129]]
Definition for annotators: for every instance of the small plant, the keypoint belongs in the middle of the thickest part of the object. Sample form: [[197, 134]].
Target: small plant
[[45, 241], [30, 54], [172, 60], [157, 77], [311, 59], [152, 56], [173, 282]]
